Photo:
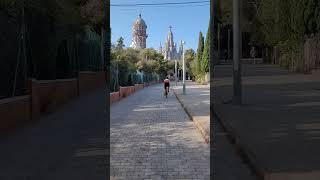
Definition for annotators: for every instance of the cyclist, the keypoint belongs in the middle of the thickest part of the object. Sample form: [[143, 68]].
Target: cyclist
[[166, 83]]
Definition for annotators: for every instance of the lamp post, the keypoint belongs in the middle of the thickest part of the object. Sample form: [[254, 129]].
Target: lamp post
[[118, 75], [183, 69], [228, 56], [236, 54], [175, 70]]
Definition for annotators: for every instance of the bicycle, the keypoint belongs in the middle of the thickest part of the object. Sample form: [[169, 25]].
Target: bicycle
[[166, 92]]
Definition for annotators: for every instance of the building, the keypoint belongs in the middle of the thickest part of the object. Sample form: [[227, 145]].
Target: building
[[139, 34], [169, 51]]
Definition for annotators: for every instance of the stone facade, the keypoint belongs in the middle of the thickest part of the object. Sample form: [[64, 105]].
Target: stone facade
[[170, 49], [139, 34]]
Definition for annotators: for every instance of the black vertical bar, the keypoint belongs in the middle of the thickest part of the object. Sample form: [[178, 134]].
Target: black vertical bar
[[237, 49], [107, 40], [213, 59]]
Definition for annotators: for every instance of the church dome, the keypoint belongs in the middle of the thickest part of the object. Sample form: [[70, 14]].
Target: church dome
[[139, 34], [140, 23]]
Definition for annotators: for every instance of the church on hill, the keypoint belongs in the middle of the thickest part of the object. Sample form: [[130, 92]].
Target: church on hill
[[139, 34], [169, 50]]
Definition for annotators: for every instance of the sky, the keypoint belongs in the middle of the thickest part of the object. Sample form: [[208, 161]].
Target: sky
[[186, 21]]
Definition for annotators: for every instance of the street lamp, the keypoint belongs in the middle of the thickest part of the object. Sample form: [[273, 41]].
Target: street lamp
[[183, 68], [236, 54], [176, 70]]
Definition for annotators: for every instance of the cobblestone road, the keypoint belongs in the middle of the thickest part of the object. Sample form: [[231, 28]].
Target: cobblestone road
[[152, 138], [68, 144], [227, 163]]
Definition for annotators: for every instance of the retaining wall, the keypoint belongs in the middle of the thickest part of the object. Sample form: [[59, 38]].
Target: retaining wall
[[14, 111], [48, 95], [89, 81], [125, 91], [114, 97], [138, 87]]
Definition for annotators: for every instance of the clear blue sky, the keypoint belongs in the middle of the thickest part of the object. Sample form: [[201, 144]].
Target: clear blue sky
[[187, 21]]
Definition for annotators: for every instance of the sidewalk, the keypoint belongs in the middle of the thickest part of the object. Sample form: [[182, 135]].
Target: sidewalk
[[196, 103], [278, 125], [227, 163]]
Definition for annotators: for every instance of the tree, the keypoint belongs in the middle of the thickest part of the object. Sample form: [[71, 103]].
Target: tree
[[199, 52], [120, 44], [193, 68], [189, 57], [132, 55], [206, 54], [226, 11], [150, 53], [169, 66], [92, 12]]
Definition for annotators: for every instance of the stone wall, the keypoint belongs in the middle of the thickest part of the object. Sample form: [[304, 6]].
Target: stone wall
[[138, 86], [14, 111], [48, 95], [89, 81], [114, 97], [125, 92]]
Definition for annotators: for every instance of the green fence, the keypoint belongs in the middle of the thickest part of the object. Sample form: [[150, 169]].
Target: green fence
[[121, 76], [90, 52], [30, 51]]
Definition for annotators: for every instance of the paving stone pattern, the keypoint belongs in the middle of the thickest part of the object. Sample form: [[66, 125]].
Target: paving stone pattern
[[68, 144], [197, 102], [277, 126], [227, 163], [153, 138]]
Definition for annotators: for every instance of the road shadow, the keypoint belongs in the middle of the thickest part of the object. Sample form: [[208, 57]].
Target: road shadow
[[50, 148], [278, 123]]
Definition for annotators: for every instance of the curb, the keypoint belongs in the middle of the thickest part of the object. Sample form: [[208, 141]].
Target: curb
[[203, 133], [249, 158], [243, 151]]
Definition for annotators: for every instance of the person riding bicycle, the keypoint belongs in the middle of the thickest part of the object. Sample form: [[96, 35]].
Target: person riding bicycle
[[166, 83]]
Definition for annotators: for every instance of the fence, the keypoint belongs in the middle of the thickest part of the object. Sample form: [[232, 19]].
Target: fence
[[123, 76], [10, 48], [311, 53], [43, 62], [90, 52], [36, 48]]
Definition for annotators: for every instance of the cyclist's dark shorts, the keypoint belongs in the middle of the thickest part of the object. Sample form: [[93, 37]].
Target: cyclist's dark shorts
[[166, 85]]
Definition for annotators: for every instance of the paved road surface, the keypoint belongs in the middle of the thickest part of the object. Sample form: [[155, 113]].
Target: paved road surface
[[68, 144], [153, 138], [227, 163], [197, 102], [278, 112]]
